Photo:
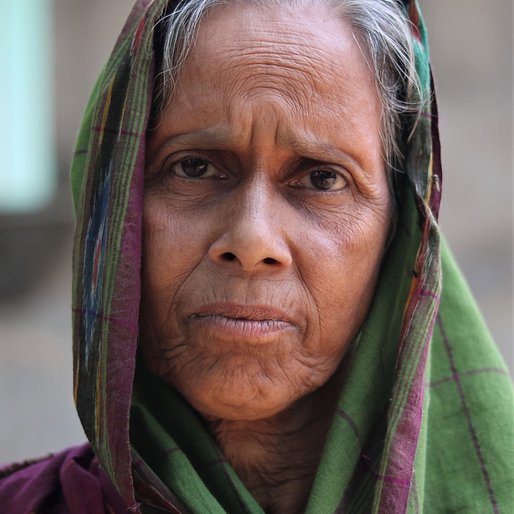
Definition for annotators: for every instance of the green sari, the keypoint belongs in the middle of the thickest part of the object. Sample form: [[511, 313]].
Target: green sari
[[424, 421]]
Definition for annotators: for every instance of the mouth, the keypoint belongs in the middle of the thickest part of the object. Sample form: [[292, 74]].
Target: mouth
[[236, 321]]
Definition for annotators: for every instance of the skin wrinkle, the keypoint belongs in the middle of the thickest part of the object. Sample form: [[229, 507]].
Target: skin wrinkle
[[258, 232], [264, 81], [246, 52]]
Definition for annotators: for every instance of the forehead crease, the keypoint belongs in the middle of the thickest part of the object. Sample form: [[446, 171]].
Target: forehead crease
[[297, 49], [284, 68], [280, 43]]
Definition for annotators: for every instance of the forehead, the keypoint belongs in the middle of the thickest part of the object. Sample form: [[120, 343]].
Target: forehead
[[306, 52]]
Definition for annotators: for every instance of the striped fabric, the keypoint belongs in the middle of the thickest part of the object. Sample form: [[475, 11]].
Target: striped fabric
[[425, 416]]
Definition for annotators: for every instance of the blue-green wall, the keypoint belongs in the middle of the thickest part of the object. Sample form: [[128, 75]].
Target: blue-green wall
[[27, 150]]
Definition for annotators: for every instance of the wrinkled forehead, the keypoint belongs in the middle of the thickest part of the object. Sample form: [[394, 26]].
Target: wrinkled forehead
[[305, 49]]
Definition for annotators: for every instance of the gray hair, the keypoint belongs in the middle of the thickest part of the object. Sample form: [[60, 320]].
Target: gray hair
[[381, 30]]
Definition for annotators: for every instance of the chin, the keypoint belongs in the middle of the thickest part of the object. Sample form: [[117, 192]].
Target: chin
[[247, 399]]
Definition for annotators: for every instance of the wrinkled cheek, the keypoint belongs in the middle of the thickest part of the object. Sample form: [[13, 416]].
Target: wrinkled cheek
[[155, 276], [164, 255], [342, 294]]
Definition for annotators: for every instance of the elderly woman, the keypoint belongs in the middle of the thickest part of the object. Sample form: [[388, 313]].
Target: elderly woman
[[265, 319]]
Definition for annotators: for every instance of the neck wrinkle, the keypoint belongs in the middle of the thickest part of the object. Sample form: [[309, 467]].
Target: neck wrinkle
[[277, 458]]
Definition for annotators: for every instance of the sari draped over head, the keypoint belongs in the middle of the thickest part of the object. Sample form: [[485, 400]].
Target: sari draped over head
[[424, 420]]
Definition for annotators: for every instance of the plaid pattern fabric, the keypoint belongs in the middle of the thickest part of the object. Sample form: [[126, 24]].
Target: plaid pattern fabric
[[425, 416]]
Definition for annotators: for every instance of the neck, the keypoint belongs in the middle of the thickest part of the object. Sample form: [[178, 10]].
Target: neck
[[277, 458]]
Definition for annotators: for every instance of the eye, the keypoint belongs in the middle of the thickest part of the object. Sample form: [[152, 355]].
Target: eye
[[195, 168], [323, 180]]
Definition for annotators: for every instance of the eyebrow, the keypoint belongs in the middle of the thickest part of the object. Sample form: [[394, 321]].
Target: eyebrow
[[324, 151], [214, 138]]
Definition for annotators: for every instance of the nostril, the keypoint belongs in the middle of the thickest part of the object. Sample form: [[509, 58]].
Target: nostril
[[228, 256]]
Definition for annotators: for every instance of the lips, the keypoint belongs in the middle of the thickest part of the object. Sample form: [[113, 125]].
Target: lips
[[237, 321]]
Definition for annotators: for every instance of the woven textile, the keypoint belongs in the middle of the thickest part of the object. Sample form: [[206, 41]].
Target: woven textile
[[425, 418]]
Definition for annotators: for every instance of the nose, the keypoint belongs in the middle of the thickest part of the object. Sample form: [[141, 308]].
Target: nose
[[252, 235]]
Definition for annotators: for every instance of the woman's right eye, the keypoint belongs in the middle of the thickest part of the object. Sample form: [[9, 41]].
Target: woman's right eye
[[195, 168]]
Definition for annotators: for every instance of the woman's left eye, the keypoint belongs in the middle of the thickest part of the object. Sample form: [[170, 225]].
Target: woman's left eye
[[195, 167], [323, 180]]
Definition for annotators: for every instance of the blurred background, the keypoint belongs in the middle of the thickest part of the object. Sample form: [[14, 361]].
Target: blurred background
[[51, 53]]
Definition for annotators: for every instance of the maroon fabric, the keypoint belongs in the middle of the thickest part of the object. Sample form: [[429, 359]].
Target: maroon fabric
[[70, 482]]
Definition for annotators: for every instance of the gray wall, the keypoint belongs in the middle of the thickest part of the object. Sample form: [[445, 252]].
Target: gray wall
[[472, 55]]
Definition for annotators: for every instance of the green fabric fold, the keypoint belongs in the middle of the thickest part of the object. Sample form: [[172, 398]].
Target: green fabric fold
[[176, 446]]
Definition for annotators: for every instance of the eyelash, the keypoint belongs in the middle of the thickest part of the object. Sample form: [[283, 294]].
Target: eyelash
[[323, 174], [220, 175]]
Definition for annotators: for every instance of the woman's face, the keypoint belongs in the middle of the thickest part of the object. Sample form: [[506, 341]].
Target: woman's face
[[266, 211]]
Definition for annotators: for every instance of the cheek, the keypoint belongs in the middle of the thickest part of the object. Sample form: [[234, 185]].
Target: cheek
[[170, 249], [168, 258], [340, 268]]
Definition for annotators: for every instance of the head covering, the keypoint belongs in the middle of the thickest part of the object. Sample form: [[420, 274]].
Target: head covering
[[424, 420]]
